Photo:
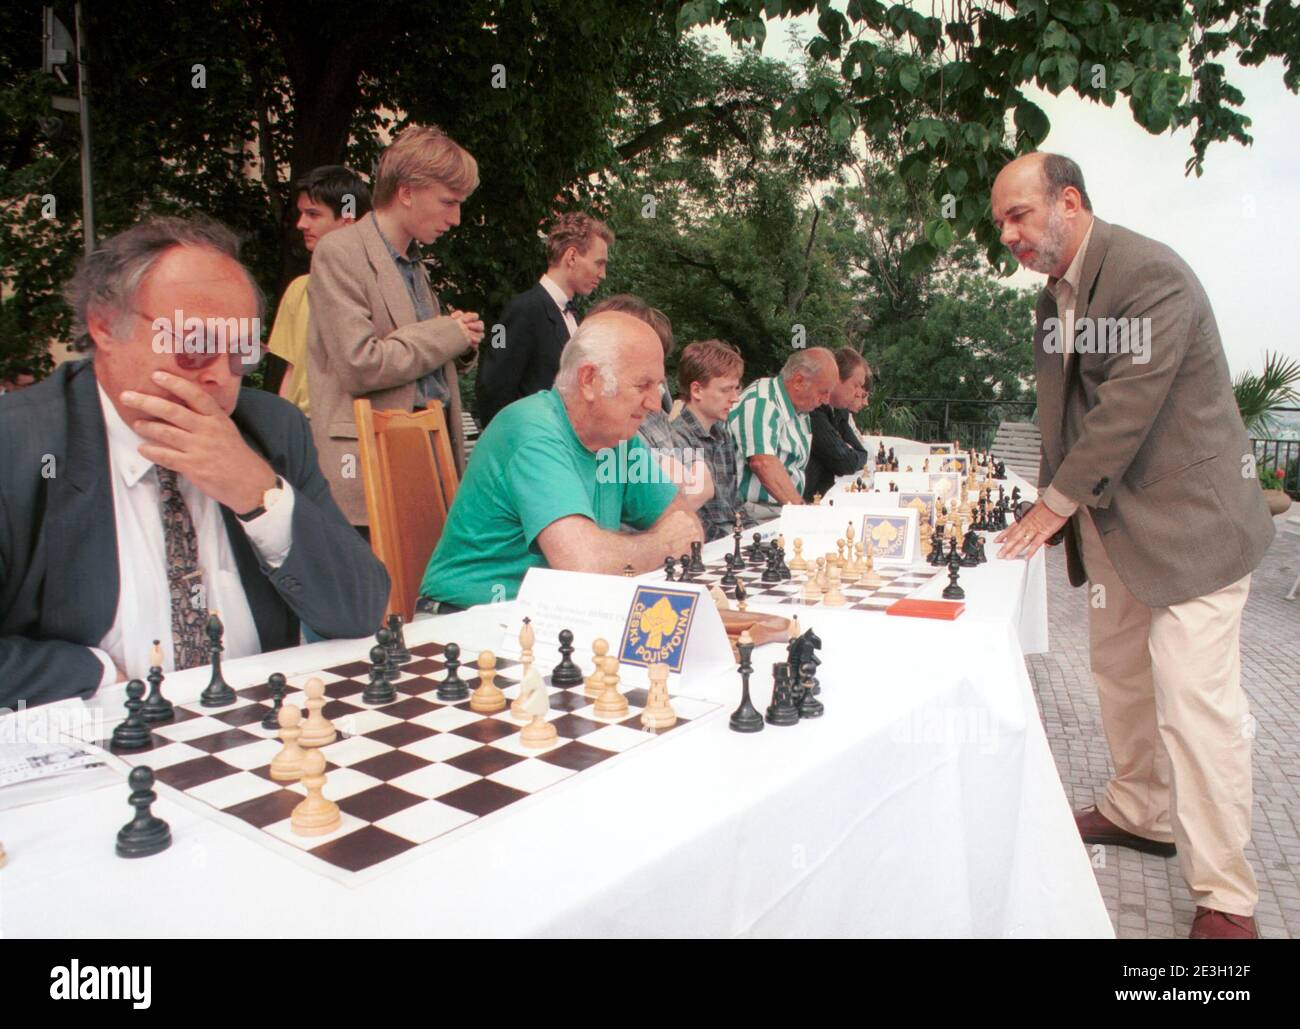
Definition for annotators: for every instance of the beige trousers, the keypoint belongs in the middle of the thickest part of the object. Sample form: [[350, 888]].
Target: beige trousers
[[1178, 725]]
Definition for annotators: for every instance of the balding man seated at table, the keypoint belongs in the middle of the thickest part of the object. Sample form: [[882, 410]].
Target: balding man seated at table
[[556, 473]]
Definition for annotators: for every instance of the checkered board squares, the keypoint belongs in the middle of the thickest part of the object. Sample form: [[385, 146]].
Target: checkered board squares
[[404, 775], [895, 584]]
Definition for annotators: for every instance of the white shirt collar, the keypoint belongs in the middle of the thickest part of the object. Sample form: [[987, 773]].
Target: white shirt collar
[[557, 294], [123, 443]]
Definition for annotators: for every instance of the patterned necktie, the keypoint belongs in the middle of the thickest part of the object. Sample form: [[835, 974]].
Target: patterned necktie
[[182, 546]]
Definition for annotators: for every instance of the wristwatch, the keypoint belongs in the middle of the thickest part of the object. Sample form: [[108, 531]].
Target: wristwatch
[[269, 499]]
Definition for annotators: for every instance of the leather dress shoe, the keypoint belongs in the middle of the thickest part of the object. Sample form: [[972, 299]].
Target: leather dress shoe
[[1219, 925], [1095, 827]]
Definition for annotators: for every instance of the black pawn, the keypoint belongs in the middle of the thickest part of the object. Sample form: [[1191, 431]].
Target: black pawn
[[567, 673], [755, 550], [771, 573], [781, 567], [145, 834], [157, 708], [741, 592], [952, 591], [687, 570], [670, 566], [218, 692], [380, 688], [452, 687], [133, 734], [729, 576], [384, 641], [400, 653], [276, 684], [697, 558], [782, 710], [809, 705], [746, 717]]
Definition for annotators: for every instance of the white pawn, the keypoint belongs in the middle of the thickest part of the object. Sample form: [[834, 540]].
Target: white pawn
[[317, 815], [594, 685], [317, 731], [834, 598], [286, 766], [611, 703]]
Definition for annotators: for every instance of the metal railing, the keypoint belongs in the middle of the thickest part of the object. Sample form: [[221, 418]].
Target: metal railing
[[933, 427]]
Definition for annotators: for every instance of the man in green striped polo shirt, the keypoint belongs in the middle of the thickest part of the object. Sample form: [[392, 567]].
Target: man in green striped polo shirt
[[772, 431]]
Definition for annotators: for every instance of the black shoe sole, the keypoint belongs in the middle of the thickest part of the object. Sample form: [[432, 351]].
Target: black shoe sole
[[1164, 850]]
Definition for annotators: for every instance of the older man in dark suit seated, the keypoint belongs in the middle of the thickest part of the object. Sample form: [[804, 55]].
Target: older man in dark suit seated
[[144, 487]]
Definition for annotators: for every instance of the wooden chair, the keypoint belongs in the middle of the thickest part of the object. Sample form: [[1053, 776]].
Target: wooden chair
[[410, 480]]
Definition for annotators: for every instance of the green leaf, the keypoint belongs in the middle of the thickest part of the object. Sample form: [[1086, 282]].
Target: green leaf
[[820, 99], [909, 77], [957, 179], [1120, 76], [1067, 70], [918, 258], [940, 233], [841, 126], [1055, 37], [1031, 120]]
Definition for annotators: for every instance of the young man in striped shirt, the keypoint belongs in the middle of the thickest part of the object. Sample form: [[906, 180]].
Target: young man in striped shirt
[[771, 429]]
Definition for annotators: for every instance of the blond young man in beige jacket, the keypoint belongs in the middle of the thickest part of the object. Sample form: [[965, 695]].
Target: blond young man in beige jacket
[[377, 330]]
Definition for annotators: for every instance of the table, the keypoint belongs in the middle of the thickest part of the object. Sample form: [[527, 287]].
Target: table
[[925, 803]]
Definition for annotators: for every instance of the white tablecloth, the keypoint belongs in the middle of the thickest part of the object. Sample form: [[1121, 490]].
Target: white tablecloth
[[925, 803]]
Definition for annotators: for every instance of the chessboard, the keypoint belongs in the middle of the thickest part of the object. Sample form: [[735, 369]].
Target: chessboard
[[405, 775], [895, 584]]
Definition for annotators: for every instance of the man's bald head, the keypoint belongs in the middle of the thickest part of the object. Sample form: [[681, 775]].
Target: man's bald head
[[809, 376], [610, 374], [1042, 211]]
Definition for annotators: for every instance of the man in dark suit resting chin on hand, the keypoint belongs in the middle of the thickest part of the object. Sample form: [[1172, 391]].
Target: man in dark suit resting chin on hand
[[144, 487], [1147, 467]]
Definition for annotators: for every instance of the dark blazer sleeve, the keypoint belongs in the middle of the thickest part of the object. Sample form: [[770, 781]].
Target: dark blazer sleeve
[[38, 671], [331, 579], [501, 369], [830, 448]]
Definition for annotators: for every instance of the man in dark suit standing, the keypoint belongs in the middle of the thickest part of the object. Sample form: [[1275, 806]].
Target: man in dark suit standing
[[523, 359], [144, 487], [1147, 467]]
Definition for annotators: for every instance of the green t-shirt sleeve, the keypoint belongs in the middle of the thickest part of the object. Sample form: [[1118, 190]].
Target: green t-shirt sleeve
[[644, 502], [545, 487]]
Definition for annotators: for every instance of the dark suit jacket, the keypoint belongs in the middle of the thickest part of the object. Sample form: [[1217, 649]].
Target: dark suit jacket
[[58, 543], [835, 450], [1155, 449], [535, 335]]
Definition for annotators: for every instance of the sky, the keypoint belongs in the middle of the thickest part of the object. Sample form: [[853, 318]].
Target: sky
[[1236, 225]]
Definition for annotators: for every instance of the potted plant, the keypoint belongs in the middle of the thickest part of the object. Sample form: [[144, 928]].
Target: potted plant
[[1270, 480], [1259, 397]]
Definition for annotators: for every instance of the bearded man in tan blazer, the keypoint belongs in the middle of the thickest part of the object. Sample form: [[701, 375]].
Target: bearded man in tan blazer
[[1150, 475], [377, 329]]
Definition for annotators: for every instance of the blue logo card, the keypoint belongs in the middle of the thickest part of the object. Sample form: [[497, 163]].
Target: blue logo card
[[658, 625]]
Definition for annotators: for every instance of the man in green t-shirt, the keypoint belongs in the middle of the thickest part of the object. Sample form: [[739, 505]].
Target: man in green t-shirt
[[554, 475]]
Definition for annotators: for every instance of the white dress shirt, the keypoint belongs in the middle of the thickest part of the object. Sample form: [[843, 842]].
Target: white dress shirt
[[144, 611], [1066, 291], [561, 300]]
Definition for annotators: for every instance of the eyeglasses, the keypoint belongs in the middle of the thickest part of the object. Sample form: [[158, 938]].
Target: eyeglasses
[[193, 351]]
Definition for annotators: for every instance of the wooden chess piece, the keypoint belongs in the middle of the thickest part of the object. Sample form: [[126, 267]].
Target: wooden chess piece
[[595, 682], [658, 713], [869, 577], [746, 717], [812, 592], [286, 766], [527, 637], [487, 698], [146, 833], [157, 708], [276, 684], [797, 563], [218, 692], [317, 730], [317, 815], [611, 703], [834, 598], [538, 733], [132, 734]]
